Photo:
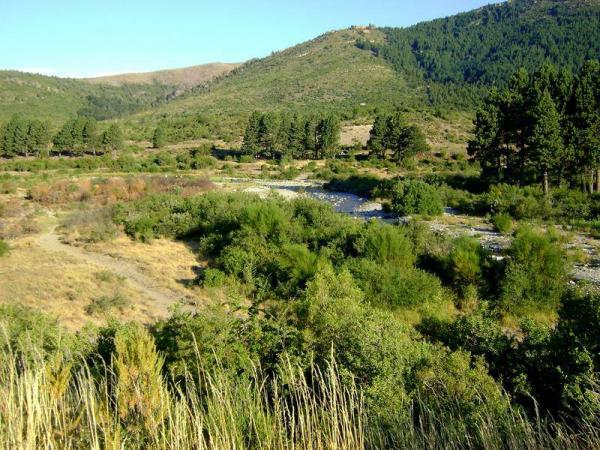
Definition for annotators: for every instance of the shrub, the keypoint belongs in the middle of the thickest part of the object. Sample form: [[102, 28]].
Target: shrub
[[389, 287], [4, 248], [571, 204], [213, 278], [105, 304], [503, 223], [520, 203], [415, 197], [464, 264], [362, 185], [536, 273], [202, 162], [385, 244]]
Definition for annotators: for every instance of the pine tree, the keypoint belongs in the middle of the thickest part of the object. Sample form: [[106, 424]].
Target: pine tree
[[15, 137], [63, 140], [251, 145], [486, 145], [112, 139], [309, 140], [328, 135], [267, 134], [585, 115], [38, 136], [296, 137], [159, 138], [545, 141], [377, 137], [89, 135], [283, 134]]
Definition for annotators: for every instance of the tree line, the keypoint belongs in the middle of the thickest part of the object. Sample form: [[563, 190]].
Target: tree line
[[392, 133], [25, 137], [281, 134], [543, 128]]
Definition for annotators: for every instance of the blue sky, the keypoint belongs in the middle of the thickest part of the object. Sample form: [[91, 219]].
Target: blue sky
[[93, 37]]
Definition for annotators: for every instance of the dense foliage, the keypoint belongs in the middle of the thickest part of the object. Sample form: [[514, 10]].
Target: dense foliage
[[484, 46], [393, 133], [77, 136], [22, 137], [310, 285], [270, 135], [542, 128]]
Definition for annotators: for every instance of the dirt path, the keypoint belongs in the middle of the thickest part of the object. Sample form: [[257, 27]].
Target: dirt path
[[162, 299]]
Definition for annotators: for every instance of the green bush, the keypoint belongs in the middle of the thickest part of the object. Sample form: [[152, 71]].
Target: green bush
[[503, 223], [520, 203], [105, 304], [389, 287], [536, 273], [362, 185], [415, 197], [4, 248], [465, 263], [213, 278], [385, 244]]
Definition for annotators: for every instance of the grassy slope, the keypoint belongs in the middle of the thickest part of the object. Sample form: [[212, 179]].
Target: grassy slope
[[327, 72], [184, 78], [46, 98], [57, 99]]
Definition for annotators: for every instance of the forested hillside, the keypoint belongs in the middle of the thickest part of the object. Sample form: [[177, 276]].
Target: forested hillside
[[487, 45], [57, 99]]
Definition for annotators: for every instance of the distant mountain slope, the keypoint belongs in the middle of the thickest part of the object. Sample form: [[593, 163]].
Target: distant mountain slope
[[487, 45], [439, 65], [184, 78], [56, 99], [327, 72]]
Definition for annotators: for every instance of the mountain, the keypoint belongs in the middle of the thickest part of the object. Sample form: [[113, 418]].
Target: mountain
[[446, 63], [57, 99], [327, 71], [437, 66], [184, 79]]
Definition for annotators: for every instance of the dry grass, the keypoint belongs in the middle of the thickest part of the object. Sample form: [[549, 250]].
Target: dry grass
[[173, 264], [64, 286], [184, 78], [110, 190]]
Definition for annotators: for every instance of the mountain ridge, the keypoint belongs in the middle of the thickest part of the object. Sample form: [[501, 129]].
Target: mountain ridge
[[183, 78]]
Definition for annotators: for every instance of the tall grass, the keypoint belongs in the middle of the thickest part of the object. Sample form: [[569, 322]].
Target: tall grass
[[46, 403]]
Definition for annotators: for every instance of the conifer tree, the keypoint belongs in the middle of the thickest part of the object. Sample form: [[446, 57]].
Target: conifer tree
[[545, 140], [267, 134], [38, 136], [89, 135], [112, 139], [63, 140], [296, 137], [377, 137], [251, 144], [328, 136], [309, 141]]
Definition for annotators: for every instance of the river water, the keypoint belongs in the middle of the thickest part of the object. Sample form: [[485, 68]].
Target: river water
[[342, 202]]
